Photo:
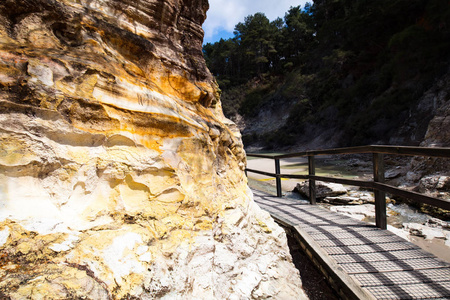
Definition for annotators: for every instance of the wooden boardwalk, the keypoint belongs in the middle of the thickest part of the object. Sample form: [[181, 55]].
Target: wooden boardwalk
[[360, 260]]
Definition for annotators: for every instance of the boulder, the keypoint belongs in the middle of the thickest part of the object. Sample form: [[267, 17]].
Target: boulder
[[364, 196], [323, 189], [344, 200], [425, 231], [393, 173], [435, 222], [434, 182], [435, 185], [359, 212]]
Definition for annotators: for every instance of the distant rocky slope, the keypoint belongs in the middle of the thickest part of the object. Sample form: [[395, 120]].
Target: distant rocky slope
[[423, 123], [120, 178]]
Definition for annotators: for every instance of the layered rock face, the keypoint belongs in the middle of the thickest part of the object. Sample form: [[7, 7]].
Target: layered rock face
[[119, 176], [431, 173]]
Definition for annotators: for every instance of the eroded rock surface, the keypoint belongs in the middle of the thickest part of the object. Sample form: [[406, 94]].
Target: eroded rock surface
[[119, 175]]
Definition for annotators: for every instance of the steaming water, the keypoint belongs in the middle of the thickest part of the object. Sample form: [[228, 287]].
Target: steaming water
[[408, 214], [296, 196]]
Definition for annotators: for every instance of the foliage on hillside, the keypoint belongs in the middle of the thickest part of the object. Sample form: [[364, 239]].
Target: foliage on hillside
[[358, 65]]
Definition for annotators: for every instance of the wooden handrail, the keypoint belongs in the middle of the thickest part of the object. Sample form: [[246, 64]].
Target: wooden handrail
[[396, 150], [378, 185]]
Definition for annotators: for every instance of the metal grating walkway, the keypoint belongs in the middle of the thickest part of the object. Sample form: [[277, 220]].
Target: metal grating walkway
[[372, 263]]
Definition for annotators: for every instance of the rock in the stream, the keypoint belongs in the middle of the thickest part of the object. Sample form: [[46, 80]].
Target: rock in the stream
[[434, 182], [393, 173], [436, 185], [323, 189], [344, 200], [353, 197], [427, 232], [359, 212], [435, 222], [120, 178], [364, 196]]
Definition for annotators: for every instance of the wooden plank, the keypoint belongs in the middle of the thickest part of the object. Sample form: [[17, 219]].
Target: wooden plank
[[319, 221], [261, 172], [412, 151], [294, 176], [379, 195], [323, 217], [381, 256], [347, 235], [312, 182], [361, 240], [278, 179], [302, 216], [441, 203], [351, 289], [369, 249], [261, 155], [272, 203], [360, 260], [404, 277], [443, 152], [412, 291], [393, 265], [333, 228]]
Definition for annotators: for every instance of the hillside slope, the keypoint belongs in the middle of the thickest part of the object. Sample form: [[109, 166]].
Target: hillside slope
[[336, 73]]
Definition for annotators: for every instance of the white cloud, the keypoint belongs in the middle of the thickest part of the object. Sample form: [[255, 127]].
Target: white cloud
[[225, 14]]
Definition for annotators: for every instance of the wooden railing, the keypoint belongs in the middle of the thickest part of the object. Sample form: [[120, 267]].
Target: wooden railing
[[377, 184]]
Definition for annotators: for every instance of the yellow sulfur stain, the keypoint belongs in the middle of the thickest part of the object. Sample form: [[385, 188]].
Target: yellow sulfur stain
[[15, 152], [263, 226], [86, 87], [51, 103], [205, 224]]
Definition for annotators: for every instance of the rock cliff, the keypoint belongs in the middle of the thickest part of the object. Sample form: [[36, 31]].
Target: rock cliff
[[430, 175], [120, 178]]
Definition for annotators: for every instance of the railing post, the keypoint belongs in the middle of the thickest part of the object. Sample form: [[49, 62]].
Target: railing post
[[380, 196], [312, 182], [277, 178]]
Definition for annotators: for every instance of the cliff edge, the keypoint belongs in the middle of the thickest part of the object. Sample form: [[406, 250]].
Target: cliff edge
[[120, 178]]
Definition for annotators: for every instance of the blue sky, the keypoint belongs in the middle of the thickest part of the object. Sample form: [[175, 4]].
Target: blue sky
[[223, 15]]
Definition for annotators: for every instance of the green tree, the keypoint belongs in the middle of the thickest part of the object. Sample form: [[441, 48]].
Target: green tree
[[256, 39], [298, 33]]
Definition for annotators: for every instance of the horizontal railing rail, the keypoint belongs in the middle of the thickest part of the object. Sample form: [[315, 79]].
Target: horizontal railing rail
[[378, 184]]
